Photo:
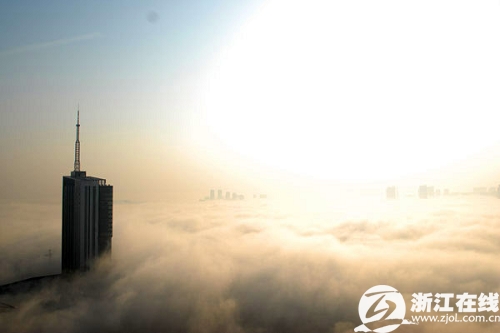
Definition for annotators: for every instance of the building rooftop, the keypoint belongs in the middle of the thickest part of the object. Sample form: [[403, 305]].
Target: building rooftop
[[82, 175]]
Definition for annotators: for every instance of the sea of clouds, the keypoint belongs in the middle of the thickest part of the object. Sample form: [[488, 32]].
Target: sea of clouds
[[251, 266]]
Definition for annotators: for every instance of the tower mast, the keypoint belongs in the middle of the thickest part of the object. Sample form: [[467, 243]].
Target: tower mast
[[77, 142]]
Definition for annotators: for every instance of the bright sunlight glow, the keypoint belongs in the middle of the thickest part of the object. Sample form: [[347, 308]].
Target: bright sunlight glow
[[359, 90]]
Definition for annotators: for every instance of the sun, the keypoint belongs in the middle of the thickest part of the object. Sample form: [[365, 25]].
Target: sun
[[344, 91]]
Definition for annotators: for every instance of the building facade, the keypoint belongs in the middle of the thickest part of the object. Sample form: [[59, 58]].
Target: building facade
[[87, 217]]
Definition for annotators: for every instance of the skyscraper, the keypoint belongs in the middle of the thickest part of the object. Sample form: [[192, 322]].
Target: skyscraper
[[87, 216]]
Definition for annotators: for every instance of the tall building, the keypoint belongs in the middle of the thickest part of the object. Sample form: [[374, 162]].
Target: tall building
[[87, 216]]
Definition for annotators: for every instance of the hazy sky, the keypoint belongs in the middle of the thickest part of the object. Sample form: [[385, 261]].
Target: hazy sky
[[135, 68], [183, 96]]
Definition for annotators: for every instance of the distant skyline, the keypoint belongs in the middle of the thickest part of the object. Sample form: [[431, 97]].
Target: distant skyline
[[259, 94]]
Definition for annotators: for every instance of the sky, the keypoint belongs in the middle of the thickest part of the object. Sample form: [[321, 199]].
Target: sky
[[134, 69], [180, 97]]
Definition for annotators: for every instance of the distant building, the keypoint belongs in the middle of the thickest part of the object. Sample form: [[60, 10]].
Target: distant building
[[425, 191], [219, 194], [228, 196], [212, 194], [391, 192], [235, 196], [241, 197], [422, 192], [87, 216], [430, 191], [446, 191]]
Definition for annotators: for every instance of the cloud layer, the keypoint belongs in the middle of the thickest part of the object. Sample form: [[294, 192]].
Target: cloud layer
[[257, 266]]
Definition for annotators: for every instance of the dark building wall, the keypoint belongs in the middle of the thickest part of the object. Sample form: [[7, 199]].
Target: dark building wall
[[89, 222], [80, 215], [69, 240], [105, 218]]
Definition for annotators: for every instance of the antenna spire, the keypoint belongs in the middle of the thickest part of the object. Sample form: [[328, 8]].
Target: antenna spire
[[77, 142]]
